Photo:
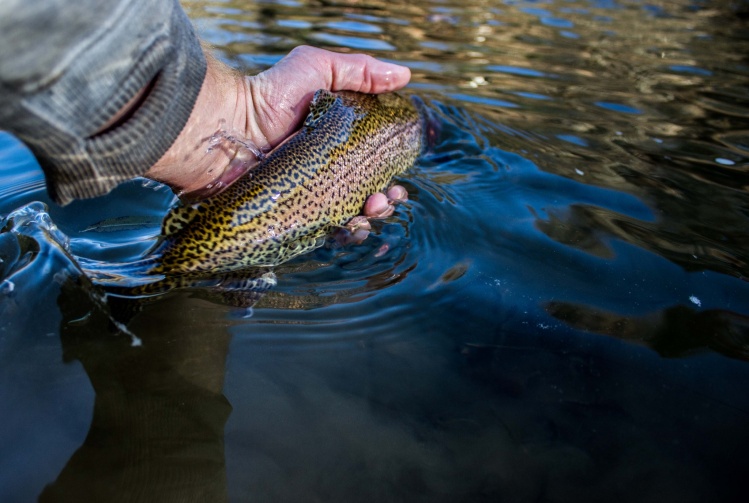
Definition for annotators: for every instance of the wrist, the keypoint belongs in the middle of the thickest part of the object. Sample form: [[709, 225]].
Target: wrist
[[192, 166]]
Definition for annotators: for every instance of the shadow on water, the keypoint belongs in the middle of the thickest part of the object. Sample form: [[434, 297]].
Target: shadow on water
[[158, 418], [558, 313], [156, 433]]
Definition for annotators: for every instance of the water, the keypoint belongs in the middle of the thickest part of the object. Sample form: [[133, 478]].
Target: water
[[560, 312]]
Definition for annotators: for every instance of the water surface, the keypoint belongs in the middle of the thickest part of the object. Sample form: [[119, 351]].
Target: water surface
[[560, 312]]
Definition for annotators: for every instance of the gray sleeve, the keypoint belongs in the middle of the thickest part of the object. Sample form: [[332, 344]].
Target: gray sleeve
[[67, 67]]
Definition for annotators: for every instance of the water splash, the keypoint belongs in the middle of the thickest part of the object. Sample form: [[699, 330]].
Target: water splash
[[222, 139], [147, 183], [35, 225], [6, 287], [35, 215]]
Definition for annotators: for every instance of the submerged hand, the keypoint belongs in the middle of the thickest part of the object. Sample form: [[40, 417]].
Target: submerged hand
[[379, 205], [264, 109]]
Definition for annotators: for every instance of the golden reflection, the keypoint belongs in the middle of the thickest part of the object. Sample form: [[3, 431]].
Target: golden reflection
[[675, 332], [634, 89]]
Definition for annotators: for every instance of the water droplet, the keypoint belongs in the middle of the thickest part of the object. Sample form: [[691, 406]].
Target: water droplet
[[233, 138], [724, 161], [7, 286], [135, 341]]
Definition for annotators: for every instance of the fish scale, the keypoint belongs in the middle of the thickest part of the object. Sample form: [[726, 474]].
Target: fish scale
[[349, 147]]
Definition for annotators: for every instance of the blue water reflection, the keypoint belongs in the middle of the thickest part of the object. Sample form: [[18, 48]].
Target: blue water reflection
[[353, 42], [22, 174], [691, 69], [354, 26], [526, 72], [618, 107]]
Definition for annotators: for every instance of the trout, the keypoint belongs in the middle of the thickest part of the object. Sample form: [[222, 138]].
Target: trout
[[349, 147]]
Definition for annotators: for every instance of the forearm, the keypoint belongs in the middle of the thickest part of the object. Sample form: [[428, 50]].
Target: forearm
[[68, 68]]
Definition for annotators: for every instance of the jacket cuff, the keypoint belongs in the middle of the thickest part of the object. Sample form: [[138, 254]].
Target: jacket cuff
[[165, 53]]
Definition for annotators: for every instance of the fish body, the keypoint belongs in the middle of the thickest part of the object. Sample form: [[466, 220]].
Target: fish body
[[349, 147]]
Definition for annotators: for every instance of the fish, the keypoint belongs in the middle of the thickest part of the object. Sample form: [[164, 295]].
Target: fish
[[349, 147]]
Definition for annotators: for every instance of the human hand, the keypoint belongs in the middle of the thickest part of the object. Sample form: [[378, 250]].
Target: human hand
[[265, 109], [281, 95]]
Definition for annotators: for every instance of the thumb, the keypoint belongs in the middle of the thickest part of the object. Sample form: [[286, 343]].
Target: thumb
[[281, 94], [347, 72]]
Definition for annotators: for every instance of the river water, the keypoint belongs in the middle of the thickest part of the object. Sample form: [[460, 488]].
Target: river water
[[559, 312]]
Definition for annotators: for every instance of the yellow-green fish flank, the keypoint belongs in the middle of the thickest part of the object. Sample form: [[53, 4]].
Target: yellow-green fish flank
[[349, 147]]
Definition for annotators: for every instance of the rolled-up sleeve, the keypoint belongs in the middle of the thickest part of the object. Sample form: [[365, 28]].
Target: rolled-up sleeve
[[66, 68]]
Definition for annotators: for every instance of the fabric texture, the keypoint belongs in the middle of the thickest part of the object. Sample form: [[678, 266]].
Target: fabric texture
[[66, 68]]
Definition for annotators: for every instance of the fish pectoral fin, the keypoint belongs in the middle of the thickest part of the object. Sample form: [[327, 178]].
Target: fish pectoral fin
[[244, 290], [177, 219], [321, 103], [249, 280]]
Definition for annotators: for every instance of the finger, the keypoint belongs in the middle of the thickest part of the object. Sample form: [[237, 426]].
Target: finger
[[378, 206], [365, 74], [397, 193], [350, 72], [355, 231], [281, 95]]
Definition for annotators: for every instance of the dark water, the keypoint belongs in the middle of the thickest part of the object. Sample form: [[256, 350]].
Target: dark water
[[559, 313]]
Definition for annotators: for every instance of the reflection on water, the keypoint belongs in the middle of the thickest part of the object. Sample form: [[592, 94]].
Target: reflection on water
[[158, 418], [559, 311], [674, 332]]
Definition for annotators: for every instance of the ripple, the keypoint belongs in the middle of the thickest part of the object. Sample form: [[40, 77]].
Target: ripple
[[727, 100], [347, 284], [297, 24], [691, 70], [736, 140], [573, 139], [532, 96], [20, 173], [557, 22], [483, 100], [34, 256], [354, 26], [515, 70], [618, 107], [353, 42]]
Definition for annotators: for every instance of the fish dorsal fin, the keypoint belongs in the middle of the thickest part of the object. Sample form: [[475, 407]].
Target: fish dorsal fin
[[321, 103], [177, 219]]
